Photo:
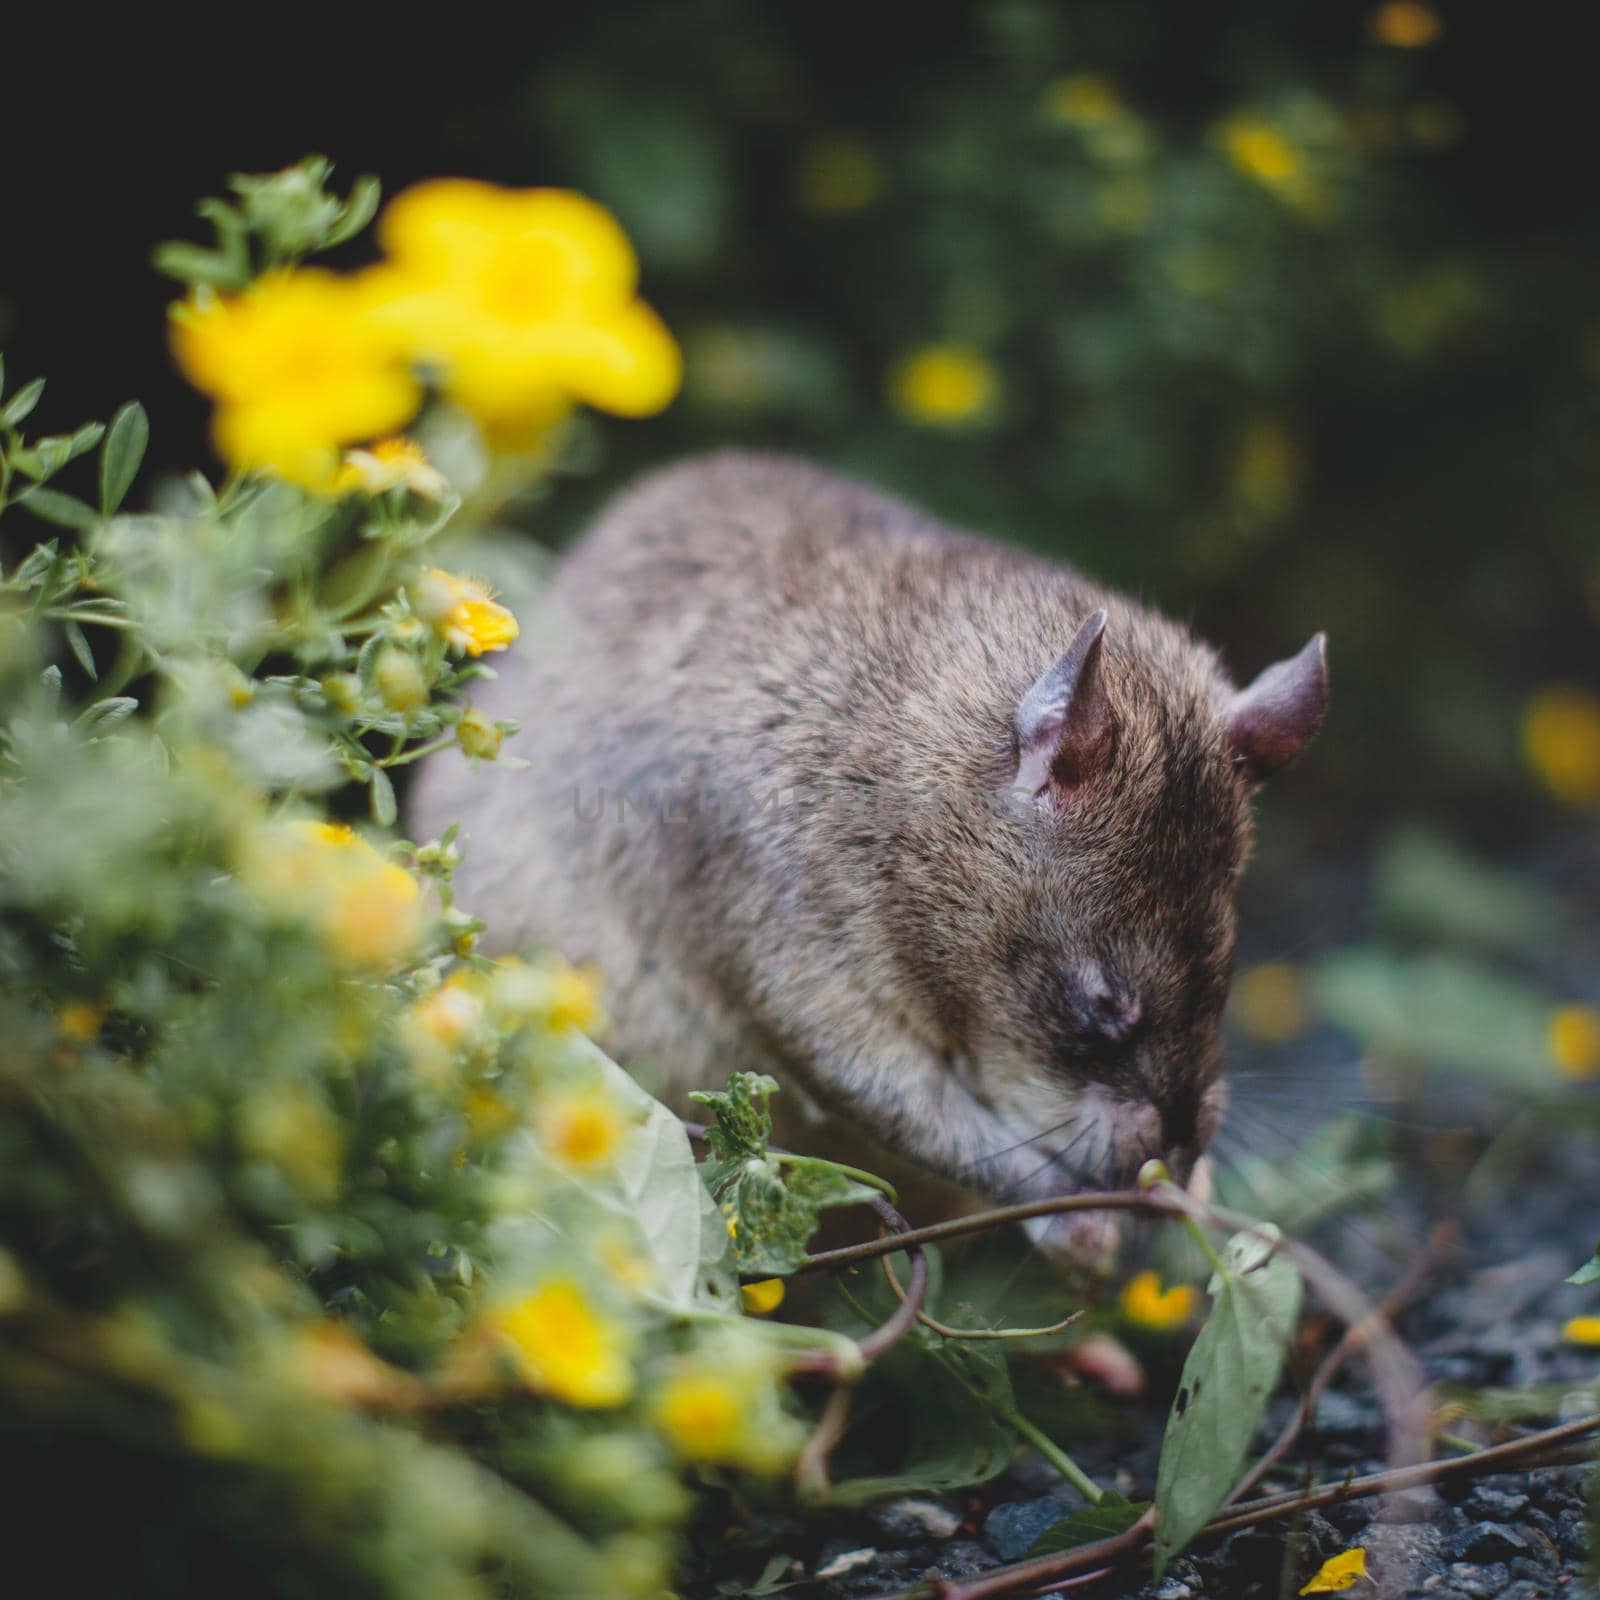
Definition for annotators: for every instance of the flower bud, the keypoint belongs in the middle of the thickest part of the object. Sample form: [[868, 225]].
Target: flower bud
[[478, 736], [399, 681], [342, 691]]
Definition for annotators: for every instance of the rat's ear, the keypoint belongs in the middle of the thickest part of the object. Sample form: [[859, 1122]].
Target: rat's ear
[[1272, 720], [1064, 722]]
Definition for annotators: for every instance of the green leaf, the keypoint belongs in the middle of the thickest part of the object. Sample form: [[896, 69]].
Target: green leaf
[[1442, 1009], [741, 1123], [80, 648], [105, 714], [1589, 1272], [1227, 1380], [359, 209], [124, 450], [1113, 1515], [381, 792], [929, 1417], [62, 509], [21, 404]]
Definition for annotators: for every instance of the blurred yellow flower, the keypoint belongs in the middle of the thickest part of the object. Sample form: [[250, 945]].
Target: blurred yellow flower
[[555, 995], [366, 908], [489, 1115], [80, 1020], [1268, 1003], [1338, 1573], [1406, 24], [298, 367], [1263, 154], [1266, 468], [1572, 1037], [464, 613], [524, 299], [288, 1128], [1581, 1330], [701, 1416], [1561, 742], [562, 1346], [837, 176], [436, 1025], [583, 1129], [1084, 98], [943, 385], [328, 1359], [1145, 1302], [396, 463], [762, 1299]]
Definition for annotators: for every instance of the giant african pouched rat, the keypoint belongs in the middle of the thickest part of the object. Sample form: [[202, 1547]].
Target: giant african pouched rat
[[943, 835]]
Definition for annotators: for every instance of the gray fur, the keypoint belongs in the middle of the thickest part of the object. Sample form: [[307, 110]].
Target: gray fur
[[771, 720]]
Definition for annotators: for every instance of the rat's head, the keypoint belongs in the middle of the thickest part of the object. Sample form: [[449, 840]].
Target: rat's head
[[1086, 929]]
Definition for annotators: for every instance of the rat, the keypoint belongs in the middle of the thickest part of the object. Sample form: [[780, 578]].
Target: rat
[[943, 835]]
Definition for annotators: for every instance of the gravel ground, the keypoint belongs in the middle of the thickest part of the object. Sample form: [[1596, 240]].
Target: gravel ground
[[1491, 1317]]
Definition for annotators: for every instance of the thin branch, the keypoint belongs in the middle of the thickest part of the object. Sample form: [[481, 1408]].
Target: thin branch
[[977, 1333]]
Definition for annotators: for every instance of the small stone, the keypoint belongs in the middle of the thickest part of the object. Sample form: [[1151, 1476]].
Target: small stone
[[845, 1562], [1486, 1504], [1010, 1530], [1170, 1589], [1487, 1541], [1478, 1583], [960, 1559], [905, 1521]]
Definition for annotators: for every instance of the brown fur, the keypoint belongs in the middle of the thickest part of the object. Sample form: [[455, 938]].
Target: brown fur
[[770, 720]]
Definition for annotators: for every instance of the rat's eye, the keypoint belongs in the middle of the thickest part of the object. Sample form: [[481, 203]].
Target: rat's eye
[[1105, 1004]]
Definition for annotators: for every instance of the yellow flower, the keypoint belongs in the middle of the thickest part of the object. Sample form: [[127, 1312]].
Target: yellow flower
[[292, 1131], [701, 1416], [298, 367], [1405, 24], [1269, 1003], [478, 737], [1261, 153], [524, 299], [436, 1025], [1338, 1573], [838, 176], [366, 908], [1561, 742], [562, 1346], [1582, 1330], [584, 1129], [1145, 1302], [1085, 98], [943, 384], [762, 1299], [1573, 1039], [80, 1020], [396, 463], [488, 1114], [464, 613], [553, 995]]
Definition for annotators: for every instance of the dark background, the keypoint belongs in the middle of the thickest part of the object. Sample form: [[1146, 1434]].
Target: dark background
[[1421, 356]]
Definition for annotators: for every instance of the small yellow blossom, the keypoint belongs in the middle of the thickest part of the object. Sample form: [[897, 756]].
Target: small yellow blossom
[[944, 385], [1083, 98], [762, 1299], [464, 613], [837, 176], [80, 1020], [583, 1129], [290, 1129], [1581, 1330], [367, 908], [525, 301], [562, 1346], [556, 996], [701, 1416], [1406, 24], [1561, 742], [1262, 153], [1145, 1302], [398, 677], [298, 367], [488, 1114], [1338, 1573], [396, 463], [1269, 1003], [1573, 1040], [437, 1025]]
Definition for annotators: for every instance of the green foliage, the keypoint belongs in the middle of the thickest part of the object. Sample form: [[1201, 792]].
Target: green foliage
[[772, 1202], [1227, 1380], [1113, 1514]]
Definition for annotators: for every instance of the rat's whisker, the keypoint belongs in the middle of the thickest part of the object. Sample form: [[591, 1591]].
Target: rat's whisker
[[1021, 1144]]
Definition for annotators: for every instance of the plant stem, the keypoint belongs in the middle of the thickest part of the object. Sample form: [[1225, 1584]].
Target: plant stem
[[1055, 1455], [882, 1185], [1207, 1249]]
